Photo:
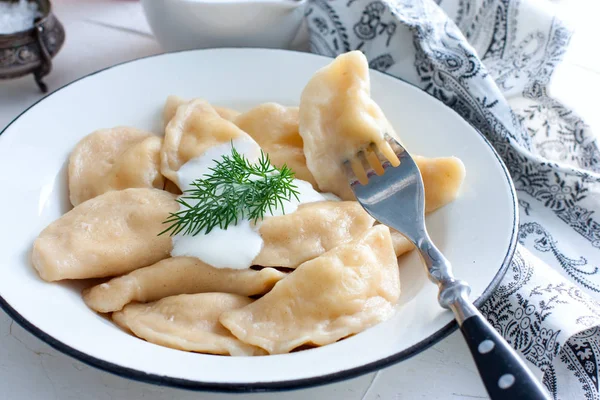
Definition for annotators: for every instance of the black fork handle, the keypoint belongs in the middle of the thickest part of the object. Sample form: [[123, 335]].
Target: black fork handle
[[503, 372]]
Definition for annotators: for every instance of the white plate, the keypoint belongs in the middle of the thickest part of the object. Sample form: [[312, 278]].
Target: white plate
[[476, 232]]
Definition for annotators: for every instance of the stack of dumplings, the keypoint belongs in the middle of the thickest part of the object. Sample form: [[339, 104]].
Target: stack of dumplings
[[325, 271]]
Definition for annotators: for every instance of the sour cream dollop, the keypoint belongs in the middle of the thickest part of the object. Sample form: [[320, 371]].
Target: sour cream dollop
[[238, 245]]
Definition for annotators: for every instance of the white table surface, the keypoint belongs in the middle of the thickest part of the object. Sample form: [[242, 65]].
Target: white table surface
[[101, 33]]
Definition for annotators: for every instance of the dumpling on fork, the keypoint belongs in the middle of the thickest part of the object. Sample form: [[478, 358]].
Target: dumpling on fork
[[338, 118]]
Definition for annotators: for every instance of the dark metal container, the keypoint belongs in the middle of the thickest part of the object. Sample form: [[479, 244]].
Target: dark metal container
[[31, 51]]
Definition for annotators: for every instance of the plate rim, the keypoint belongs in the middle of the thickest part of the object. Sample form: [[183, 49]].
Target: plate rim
[[285, 385]]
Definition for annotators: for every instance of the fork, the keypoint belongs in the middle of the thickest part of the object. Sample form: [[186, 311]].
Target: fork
[[381, 188]]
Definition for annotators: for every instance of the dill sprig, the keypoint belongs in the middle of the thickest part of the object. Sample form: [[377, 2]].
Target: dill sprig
[[236, 189]]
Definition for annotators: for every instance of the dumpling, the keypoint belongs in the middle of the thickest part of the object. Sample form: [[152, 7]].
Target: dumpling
[[342, 292], [442, 179], [290, 239], [195, 128], [275, 129], [171, 187], [310, 231], [226, 113], [338, 118], [401, 244], [187, 322], [111, 234], [114, 159], [173, 102], [178, 275]]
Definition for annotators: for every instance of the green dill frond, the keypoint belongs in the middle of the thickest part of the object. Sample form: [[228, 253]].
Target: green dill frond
[[234, 190]]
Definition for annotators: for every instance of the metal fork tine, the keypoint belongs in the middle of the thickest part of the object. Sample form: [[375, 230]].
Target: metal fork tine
[[359, 170], [362, 157], [389, 153], [385, 163], [352, 178], [396, 147]]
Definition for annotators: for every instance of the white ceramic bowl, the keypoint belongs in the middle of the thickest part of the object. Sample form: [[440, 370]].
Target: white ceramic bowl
[[477, 232], [200, 24]]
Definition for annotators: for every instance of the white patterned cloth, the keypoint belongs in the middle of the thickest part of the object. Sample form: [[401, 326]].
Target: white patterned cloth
[[492, 62]]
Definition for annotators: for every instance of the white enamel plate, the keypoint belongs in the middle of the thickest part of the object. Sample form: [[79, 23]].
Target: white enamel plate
[[477, 232]]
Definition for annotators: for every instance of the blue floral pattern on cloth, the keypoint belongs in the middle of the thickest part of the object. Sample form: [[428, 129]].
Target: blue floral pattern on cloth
[[492, 62]]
